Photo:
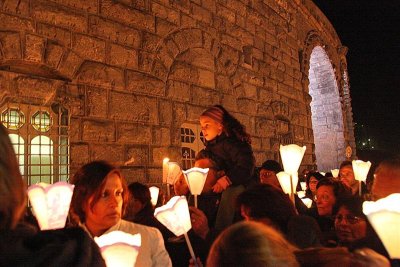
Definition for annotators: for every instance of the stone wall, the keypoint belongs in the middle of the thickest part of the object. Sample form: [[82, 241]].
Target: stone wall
[[131, 72]]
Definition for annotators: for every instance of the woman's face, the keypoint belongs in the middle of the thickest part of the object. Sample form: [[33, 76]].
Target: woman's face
[[312, 184], [210, 128], [107, 211], [349, 228], [325, 200]]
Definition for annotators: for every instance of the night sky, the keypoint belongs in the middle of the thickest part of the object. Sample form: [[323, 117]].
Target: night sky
[[371, 31]]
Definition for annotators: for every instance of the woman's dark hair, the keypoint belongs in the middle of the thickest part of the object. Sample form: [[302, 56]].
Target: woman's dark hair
[[346, 163], [353, 204], [265, 201], [89, 181], [316, 175], [232, 127], [339, 190]]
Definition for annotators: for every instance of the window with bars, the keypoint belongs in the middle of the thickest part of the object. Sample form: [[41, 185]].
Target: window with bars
[[192, 142], [39, 135]]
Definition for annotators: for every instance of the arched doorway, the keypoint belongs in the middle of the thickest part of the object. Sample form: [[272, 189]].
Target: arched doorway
[[326, 109]]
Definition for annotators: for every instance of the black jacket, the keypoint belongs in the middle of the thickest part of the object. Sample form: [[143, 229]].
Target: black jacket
[[236, 157]]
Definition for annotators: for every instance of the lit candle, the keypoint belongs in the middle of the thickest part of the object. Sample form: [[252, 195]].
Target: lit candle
[[154, 191]]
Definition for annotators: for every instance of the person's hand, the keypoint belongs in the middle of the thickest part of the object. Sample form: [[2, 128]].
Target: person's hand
[[221, 184], [193, 264], [199, 222]]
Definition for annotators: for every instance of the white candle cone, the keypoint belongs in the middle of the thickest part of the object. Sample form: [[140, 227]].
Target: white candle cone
[[165, 170], [174, 172], [119, 249], [303, 186], [361, 169], [284, 181], [51, 203], [154, 192], [307, 202], [301, 194], [384, 216], [195, 178], [292, 156], [335, 173]]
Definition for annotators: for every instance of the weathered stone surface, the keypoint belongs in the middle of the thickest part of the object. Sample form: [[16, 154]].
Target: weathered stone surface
[[129, 133], [57, 34], [34, 48], [177, 90], [162, 136], [58, 15], [114, 32], [90, 6], [265, 128], [204, 96], [89, 48], [79, 154], [96, 102], [127, 107], [110, 153], [17, 7], [70, 64], [99, 75], [97, 131], [53, 54], [123, 57], [137, 156], [165, 113], [36, 88], [141, 83], [14, 23], [134, 175], [10, 42], [164, 12]]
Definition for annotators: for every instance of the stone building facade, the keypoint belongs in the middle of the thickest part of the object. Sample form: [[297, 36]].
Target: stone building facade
[[125, 80]]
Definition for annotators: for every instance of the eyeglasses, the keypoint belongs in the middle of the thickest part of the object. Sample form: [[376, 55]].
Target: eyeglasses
[[349, 218], [322, 198], [266, 174]]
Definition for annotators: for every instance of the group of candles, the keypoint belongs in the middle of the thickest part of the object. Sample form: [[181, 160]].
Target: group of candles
[[50, 204]]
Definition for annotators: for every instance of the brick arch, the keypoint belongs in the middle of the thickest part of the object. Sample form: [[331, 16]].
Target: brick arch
[[33, 54], [182, 40]]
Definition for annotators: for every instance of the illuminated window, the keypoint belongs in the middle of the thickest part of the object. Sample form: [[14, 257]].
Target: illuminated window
[[41, 143], [12, 118], [192, 142]]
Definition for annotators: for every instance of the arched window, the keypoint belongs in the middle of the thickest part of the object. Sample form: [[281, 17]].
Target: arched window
[[39, 135]]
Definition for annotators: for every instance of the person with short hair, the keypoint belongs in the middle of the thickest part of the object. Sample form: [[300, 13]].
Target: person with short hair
[[386, 178]]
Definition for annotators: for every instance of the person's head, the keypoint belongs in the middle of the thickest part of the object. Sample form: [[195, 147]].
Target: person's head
[[100, 196], [268, 171], [217, 120], [346, 174], [328, 192], [350, 222], [312, 180], [139, 198], [266, 203], [386, 178], [206, 159], [12, 186], [251, 244]]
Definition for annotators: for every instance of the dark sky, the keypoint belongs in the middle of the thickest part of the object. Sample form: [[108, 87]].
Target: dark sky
[[371, 31]]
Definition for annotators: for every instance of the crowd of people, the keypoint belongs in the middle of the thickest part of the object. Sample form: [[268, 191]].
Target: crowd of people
[[243, 217]]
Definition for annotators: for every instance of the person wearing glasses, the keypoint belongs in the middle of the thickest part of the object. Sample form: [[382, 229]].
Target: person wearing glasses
[[352, 227]]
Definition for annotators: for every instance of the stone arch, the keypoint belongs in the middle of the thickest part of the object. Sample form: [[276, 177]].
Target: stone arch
[[326, 111], [35, 55]]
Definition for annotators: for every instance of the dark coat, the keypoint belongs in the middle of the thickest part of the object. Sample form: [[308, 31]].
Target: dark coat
[[236, 157]]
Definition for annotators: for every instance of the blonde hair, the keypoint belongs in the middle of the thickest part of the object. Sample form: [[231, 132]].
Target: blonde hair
[[251, 244], [12, 186]]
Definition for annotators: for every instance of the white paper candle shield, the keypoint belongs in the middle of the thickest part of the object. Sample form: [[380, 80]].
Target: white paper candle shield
[[154, 191], [195, 178], [175, 215], [335, 173], [301, 194], [284, 181], [291, 157], [51, 203], [165, 170], [303, 186], [119, 249], [307, 202], [361, 169], [384, 216], [174, 171]]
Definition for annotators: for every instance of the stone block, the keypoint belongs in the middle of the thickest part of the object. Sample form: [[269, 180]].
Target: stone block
[[137, 156], [247, 106], [265, 128], [132, 133], [204, 96], [96, 102], [128, 16], [34, 48], [141, 83], [89, 48], [163, 27], [35, 88], [60, 35], [123, 57], [98, 131], [99, 75], [58, 15], [177, 90], [127, 107], [114, 32], [11, 45], [79, 154], [132, 174], [164, 12], [150, 42], [202, 14], [53, 54], [162, 136], [111, 153], [90, 6], [14, 23]]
